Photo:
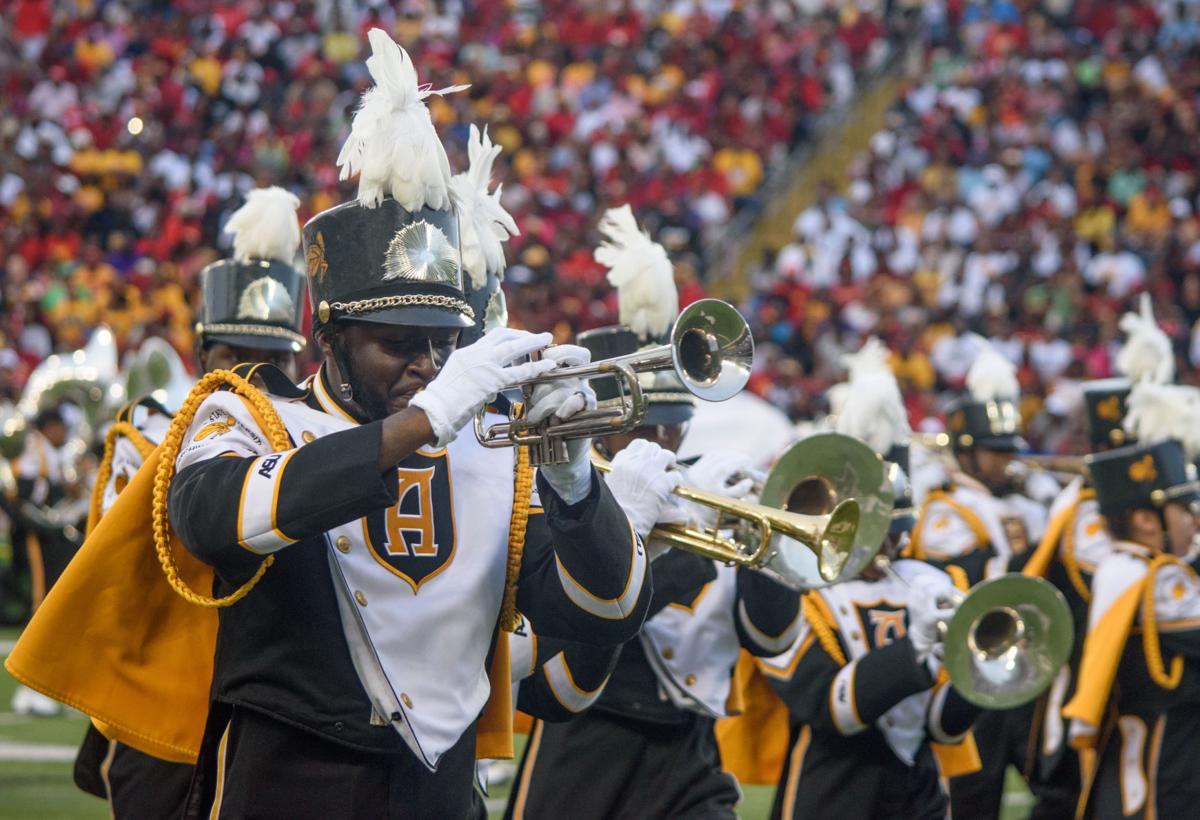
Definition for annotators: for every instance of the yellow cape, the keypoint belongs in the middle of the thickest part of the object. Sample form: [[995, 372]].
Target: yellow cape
[[115, 641]]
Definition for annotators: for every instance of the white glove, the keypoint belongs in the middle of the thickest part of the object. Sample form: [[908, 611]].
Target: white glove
[[713, 473], [929, 609], [473, 375], [564, 398], [641, 481]]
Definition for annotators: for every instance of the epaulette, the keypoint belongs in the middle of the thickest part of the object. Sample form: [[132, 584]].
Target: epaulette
[[271, 378]]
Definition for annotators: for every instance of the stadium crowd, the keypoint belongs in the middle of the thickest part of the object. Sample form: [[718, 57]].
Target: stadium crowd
[[1026, 185], [1035, 176], [131, 130]]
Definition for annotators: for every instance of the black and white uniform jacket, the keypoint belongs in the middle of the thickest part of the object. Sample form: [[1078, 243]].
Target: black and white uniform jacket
[[963, 525], [375, 626], [702, 616], [861, 724], [1149, 740]]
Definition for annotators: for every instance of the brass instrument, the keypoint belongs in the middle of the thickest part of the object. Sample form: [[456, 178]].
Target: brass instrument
[[1007, 640], [156, 370], [933, 441], [843, 468], [760, 533], [711, 351]]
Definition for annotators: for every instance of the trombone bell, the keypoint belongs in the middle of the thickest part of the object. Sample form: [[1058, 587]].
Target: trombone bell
[[1007, 641]]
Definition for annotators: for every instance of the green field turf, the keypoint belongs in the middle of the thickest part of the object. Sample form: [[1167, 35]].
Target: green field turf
[[32, 790]]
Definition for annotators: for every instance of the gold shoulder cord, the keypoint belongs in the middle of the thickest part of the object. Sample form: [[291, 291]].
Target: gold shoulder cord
[[1067, 553], [104, 471], [822, 629], [1150, 645], [277, 437], [517, 524]]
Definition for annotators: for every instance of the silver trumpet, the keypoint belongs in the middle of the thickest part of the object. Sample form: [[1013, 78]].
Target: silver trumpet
[[710, 350]]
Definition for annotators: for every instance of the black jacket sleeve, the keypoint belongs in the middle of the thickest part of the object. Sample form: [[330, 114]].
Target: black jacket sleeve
[[585, 575], [321, 485], [568, 678], [767, 614]]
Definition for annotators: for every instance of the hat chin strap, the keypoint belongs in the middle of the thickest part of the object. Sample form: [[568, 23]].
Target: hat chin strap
[[338, 352]]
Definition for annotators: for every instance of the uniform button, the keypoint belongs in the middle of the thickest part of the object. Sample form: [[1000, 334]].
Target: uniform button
[[342, 543], [339, 726], [889, 722], [406, 700], [843, 610], [668, 653], [690, 680], [308, 436], [854, 635], [358, 596]]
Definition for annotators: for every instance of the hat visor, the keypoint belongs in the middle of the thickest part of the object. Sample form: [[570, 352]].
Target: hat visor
[[901, 524], [673, 412], [414, 316], [1001, 444], [255, 341]]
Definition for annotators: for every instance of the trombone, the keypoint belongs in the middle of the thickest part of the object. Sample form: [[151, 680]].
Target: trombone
[[800, 551], [711, 351]]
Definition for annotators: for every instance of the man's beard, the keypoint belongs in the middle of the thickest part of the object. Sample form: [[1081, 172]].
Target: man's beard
[[374, 407]]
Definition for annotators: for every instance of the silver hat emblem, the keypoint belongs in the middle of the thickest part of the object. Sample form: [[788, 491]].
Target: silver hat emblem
[[266, 300], [421, 252]]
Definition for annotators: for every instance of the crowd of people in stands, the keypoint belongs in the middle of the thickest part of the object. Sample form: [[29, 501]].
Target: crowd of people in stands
[[1037, 175], [1027, 184], [131, 130]]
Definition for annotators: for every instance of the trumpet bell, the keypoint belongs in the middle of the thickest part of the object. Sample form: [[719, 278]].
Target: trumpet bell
[[1007, 641], [712, 350], [847, 469]]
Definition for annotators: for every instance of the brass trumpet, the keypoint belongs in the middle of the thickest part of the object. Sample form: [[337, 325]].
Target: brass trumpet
[[711, 350], [830, 538], [800, 551]]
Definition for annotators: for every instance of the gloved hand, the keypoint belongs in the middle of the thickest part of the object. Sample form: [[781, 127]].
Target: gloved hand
[[713, 473], [641, 481], [473, 375], [563, 399], [929, 607]]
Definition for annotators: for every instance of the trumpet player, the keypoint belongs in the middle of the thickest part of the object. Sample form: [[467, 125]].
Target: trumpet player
[[866, 701], [251, 308], [979, 526], [373, 553], [646, 747], [1137, 701]]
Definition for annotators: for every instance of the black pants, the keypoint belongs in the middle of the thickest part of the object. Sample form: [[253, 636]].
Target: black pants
[[605, 767], [253, 766], [1013, 737], [137, 786]]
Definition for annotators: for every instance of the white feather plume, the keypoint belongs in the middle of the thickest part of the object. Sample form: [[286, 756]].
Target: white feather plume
[[992, 377], [871, 358], [639, 269], [1147, 354], [484, 225], [393, 146], [1156, 412], [876, 415], [265, 227]]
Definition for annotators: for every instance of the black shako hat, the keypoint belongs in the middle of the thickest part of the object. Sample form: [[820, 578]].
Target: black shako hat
[[1104, 403], [256, 303], [667, 400], [986, 425], [1142, 476]]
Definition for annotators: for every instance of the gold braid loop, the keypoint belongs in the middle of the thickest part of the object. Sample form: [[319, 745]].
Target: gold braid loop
[[958, 576], [517, 524], [822, 629], [104, 472], [1150, 645], [277, 437]]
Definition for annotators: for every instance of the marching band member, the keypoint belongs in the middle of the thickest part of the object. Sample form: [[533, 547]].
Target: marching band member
[[980, 526], [251, 311], [378, 514], [1136, 702], [1076, 540], [861, 682], [646, 747]]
